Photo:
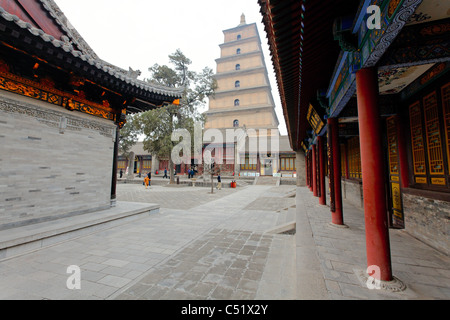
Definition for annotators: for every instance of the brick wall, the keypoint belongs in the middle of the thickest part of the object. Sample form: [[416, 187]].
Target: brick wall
[[428, 220], [351, 192], [53, 162]]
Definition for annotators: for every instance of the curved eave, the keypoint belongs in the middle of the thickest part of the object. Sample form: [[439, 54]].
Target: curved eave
[[303, 53], [25, 37]]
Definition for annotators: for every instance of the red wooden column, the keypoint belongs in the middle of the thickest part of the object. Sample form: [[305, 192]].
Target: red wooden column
[[323, 197], [314, 170], [373, 175], [310, 171], [307, 168], [337, 216]]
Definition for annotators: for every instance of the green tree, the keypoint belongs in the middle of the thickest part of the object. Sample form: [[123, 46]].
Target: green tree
[[159, 124], [128, 136]]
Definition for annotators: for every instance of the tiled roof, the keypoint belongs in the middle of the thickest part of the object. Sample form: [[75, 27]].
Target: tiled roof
[[85, 53], [59, 17], [304, 53]]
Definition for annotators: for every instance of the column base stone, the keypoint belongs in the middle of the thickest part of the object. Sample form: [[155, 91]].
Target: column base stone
[[371, 283]]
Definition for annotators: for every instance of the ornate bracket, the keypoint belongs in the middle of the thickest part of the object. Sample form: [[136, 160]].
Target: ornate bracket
[[342, 32]]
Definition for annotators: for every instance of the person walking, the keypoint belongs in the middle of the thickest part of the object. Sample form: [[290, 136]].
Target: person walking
[[146, 181], [219, 182], [149, 175], [165, 173]]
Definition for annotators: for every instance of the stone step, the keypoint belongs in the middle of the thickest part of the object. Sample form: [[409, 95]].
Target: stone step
[[267, 181], [25, 239]]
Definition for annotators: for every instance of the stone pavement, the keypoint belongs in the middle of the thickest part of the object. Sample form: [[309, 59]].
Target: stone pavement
[[341, 254], [228, 261], [119, 263], [222, 246]]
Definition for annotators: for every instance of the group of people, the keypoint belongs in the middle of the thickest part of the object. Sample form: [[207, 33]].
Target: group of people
[[191, 174]]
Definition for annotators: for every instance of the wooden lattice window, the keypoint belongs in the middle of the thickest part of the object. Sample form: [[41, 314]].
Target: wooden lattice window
[[392, 146], [147, 164], [287, 164], [446, 109], [430, 138], [418, 148], [250, 164], [354, 157], [434, 141]]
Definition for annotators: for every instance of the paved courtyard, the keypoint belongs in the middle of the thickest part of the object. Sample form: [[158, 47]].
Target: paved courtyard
[[200, 246], [223, 246]]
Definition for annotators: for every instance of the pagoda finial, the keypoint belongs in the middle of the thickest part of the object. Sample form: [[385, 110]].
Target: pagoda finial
[[242, 20]]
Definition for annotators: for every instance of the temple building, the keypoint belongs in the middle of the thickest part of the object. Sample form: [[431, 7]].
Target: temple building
[[365, 89], [62, 108]]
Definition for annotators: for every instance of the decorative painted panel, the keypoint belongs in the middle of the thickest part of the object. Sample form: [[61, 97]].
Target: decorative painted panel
[[396, 197], [438, 70], [15, 84], [372, 46], [429, 10], [394, 15]]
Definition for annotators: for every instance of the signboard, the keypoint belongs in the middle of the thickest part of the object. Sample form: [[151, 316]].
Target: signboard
[[314, 120]]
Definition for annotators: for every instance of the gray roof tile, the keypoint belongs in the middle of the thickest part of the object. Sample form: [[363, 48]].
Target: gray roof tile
[[88, 55]]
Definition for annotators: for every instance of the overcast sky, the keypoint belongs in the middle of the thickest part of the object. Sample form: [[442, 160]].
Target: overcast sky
[[140, 33]]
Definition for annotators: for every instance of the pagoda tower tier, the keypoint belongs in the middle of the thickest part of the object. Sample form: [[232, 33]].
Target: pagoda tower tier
[[243, 97]]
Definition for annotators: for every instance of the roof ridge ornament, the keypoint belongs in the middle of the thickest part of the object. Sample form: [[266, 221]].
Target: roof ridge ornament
[[134, 74]]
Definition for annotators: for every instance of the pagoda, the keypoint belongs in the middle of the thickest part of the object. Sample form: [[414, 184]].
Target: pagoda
[[243, 98]]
